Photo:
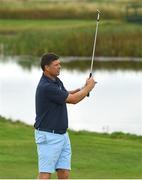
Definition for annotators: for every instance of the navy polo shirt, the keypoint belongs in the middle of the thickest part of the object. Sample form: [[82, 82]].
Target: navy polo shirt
[[51, 110]]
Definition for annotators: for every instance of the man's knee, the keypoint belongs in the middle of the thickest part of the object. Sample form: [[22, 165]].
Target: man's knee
[[43, 175], [63, 173]]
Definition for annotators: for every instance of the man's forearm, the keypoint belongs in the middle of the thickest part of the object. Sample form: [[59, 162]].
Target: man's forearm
[[74, 91], [78, 96], [81, 94]]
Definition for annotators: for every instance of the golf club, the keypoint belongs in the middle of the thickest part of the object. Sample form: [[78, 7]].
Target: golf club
[[94, 45]]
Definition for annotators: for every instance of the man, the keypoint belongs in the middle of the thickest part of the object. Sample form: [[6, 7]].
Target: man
[[53, 144]]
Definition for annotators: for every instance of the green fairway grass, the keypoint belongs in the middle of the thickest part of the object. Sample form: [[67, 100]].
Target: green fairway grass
[[95, 155]]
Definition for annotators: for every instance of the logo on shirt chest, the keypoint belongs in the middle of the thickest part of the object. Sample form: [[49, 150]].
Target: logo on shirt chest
[[60, 87]]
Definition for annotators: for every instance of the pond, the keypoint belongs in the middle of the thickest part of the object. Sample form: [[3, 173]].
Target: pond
[[114, 105]]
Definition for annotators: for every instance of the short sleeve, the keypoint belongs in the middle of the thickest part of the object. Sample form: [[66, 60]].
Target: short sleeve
[[56, 94]]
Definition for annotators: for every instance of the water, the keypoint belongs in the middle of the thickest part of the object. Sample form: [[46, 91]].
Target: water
[[114, 105]]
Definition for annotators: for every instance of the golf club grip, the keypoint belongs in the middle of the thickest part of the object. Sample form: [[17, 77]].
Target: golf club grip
[[90, 75]]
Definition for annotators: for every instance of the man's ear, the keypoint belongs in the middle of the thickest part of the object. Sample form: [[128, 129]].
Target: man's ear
[[46, 68]]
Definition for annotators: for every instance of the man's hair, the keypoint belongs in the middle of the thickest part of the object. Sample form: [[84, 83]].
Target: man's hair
[[47, 59]]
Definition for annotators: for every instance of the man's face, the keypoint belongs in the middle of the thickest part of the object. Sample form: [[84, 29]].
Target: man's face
[[54, 68]]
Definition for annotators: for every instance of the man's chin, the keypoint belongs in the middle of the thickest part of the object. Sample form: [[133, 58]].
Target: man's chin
[[58, 73]]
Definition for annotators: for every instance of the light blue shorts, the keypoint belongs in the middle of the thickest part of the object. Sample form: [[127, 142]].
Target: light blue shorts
[[54, 151]]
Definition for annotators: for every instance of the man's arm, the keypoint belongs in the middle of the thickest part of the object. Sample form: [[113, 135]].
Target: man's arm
[[79, 95], [74, 91]]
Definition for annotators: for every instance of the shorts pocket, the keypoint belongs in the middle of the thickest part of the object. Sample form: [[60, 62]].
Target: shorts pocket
[[40, 137]]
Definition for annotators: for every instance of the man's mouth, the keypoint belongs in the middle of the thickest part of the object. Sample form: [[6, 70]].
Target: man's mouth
[[58, 71]]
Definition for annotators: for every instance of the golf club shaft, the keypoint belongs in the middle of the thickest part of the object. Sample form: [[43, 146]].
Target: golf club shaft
[[94, 46]]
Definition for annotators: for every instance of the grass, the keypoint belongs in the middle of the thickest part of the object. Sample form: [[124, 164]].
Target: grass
[[70, 9], [70, 37], [63, 9], [94, 155], [15, 26], [67, 28]]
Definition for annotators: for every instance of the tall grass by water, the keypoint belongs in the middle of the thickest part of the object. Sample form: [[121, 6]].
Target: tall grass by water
[[30, 9], [70, 37]]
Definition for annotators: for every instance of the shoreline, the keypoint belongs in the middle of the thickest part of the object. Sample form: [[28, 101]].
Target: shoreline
[[115, 135], [79, 58], [100, 58]]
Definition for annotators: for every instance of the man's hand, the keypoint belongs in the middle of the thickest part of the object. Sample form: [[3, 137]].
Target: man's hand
[[79, 95], [90, 83]]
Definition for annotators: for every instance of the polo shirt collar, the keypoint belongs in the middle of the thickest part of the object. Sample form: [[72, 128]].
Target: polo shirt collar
[[49, 79]]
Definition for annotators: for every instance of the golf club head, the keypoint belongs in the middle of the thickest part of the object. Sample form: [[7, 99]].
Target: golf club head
[[98, 11]]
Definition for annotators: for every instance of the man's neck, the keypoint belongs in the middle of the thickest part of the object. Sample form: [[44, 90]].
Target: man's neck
[[49, 76]]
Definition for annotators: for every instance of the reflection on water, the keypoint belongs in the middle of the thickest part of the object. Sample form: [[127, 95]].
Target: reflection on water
[[28, 62], [114, 105]]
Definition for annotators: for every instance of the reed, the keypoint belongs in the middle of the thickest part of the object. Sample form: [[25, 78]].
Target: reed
[[76, 39], [61, 10]]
